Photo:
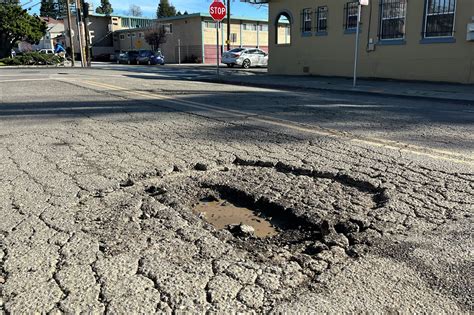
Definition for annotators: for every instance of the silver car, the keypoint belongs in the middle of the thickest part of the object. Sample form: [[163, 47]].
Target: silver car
[[245, 58]]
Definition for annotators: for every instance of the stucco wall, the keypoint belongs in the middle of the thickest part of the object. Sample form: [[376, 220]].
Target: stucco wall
[[333, 54]]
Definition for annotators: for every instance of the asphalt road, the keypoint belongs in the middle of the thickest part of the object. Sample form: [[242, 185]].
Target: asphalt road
[[101, 168]]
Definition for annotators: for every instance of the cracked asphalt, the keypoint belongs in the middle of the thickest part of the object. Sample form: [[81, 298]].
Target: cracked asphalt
[[100, 169]]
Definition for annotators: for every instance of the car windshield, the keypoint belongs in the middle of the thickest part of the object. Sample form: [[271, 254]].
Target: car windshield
[[236, 50], [145, 53]]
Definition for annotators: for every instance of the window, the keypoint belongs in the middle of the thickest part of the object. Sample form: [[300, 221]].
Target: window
[[322, 19], [392, 19], [140, 35], [263, 27], [307, 23], [250, 27], [211, 25], [233, 38], [351, 10], [168, 28], [439, 18]]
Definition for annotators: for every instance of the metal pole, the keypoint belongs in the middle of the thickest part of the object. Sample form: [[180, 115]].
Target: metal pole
[[354, 84], [69, 26], [217, 48], [179, 51], [228, 25]]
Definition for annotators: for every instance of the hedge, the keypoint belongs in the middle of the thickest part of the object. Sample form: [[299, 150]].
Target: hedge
[[31, 59]]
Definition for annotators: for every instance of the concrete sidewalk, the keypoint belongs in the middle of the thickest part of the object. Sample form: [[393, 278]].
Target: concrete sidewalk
[[458, 93]]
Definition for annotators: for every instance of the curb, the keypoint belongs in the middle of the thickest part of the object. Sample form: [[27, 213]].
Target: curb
[[341, 90]]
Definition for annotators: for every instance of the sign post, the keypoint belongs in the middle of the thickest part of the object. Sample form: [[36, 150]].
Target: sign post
[[218, 11], [356, 58], [217, 47]]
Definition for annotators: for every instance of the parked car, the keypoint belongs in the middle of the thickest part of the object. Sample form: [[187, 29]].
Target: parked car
[[129, 57], [151, 58], [101, 57], [115, 56], [245, 58], [46, 51]]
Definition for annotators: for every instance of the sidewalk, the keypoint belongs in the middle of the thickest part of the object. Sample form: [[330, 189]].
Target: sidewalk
[[457, 93]]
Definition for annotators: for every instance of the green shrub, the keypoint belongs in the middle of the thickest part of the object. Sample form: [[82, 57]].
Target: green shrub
[[32, 58]]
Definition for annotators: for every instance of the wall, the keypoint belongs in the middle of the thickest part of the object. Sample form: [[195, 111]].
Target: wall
[[333, 54], [244, 38], [187, 31]]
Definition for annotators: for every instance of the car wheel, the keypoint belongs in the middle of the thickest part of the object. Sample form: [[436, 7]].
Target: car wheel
[[129, 62], [118, 61], [246, 64], [149, 62]]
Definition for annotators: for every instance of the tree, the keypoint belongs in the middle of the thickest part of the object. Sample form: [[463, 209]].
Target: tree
[[53, 8], [165, 9], [47, 9], [135, 10], [104, 8], [155, 36], [179, 13], [15, 25]]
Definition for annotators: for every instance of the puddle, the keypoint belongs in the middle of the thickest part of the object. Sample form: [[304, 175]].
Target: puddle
[[221, 213]]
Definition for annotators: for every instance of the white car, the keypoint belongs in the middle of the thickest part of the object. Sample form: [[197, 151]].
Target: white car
[[46, 51], [245, 58]]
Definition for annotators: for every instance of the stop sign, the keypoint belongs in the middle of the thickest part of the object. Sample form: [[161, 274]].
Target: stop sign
[[217, 10]]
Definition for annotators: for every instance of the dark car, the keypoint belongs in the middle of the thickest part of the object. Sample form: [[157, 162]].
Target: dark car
[[151, 58], [129, 57]]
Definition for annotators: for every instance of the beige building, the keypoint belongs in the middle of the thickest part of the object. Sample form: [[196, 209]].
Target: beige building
[[193, 37], [102, 28], [429, 40]]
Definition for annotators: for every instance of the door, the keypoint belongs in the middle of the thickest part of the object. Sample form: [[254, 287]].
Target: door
[[262, 58]]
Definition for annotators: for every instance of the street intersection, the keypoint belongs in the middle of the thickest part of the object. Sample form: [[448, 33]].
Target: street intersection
[[101, 169]]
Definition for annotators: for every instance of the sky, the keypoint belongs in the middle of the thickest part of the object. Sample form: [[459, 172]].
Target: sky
[[192, 6]]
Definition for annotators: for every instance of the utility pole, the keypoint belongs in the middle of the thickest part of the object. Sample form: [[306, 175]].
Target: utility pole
[[69, 26], [228, 25], [79, 31], [85, 8]]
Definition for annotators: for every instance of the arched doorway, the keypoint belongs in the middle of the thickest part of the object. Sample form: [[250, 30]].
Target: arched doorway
[[283, 24]]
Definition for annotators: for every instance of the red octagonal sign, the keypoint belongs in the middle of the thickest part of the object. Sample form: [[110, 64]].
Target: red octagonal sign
[[217, 10]]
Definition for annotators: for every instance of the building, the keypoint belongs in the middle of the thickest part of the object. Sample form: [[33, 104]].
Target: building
[[55, 32], [102, 28], [430, 40], [193, 37]]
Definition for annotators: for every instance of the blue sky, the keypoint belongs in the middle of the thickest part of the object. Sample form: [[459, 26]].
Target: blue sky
[[192, 6]]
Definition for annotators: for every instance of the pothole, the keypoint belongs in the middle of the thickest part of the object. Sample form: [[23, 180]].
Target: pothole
[[240, 220], [305, 212]]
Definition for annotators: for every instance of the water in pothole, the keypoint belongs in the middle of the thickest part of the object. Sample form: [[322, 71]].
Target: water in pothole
[[222, 213]]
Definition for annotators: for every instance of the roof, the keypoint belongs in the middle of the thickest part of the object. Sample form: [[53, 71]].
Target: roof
[[121, 16], [207, 15], [180, 17], [50, 20]]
